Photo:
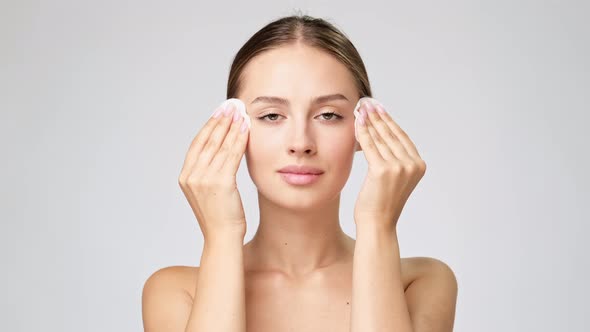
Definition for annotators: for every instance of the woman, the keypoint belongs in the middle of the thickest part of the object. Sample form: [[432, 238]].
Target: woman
[[299, 79]]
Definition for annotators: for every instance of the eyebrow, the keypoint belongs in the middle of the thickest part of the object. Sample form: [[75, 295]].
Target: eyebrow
[[282, 101]]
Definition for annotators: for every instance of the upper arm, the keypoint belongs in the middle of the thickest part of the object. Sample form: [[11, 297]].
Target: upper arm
[[166, 306], [432, 297]]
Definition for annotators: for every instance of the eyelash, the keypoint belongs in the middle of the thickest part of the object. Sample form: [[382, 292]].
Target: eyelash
[[338, 116]]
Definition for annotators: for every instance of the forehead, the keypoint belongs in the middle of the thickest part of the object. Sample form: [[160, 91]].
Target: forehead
[[296, 71]]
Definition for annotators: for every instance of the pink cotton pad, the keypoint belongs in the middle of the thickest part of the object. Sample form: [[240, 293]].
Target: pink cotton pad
[[358, 105], [240, 106]]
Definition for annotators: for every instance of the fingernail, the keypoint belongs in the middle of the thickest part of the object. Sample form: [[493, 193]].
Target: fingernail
[[217, 113], [237, 116], [380, 109], [362, 117], [228, 109], [244, 127]]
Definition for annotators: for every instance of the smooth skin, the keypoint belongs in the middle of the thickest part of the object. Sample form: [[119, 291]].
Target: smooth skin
[[300, 272]]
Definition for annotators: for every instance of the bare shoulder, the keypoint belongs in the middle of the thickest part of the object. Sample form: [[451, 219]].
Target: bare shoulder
[[432, 296], [179, 277], [417, 267], [167, 298]]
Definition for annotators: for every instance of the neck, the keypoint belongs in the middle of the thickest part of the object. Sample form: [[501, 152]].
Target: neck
[[298, 241]]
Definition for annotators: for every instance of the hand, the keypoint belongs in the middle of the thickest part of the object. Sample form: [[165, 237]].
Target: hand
[[208, 176], [395, 167]]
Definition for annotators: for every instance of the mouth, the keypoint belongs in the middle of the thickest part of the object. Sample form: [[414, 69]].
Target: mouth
[[299, 178]]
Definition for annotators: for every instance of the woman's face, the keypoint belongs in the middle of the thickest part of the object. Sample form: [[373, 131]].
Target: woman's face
[[296, 132]]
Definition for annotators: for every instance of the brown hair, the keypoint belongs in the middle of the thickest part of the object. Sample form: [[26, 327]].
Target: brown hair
[[310, 31]]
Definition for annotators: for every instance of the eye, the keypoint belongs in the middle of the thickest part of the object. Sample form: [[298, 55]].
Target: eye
[[269, 114], [330, 115]]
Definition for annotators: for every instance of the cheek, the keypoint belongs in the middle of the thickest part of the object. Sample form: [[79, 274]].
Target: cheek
[[260, 152], [261, 160], [339, 153], [341, 137]]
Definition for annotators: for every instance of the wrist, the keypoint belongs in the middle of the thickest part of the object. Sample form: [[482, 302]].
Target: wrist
[[372, 225], [225, 236], [376, 232]]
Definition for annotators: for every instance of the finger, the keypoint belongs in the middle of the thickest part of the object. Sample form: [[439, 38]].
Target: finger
[[391, 142], [227, 149], [399, 132], [215, 140], [200, 139], [239, 147], [366, 141], [381, 145]]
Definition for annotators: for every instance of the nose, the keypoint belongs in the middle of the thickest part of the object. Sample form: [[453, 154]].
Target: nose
[[301, 143]]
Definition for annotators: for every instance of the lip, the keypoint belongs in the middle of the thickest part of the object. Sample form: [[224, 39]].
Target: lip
[[301, 170], [299, 179]]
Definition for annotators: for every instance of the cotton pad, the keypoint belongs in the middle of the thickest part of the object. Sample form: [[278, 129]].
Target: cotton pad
[[358, 105], [240, 106]]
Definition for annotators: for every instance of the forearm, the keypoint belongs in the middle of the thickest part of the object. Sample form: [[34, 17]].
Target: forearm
[[378, 300], [219, 302]]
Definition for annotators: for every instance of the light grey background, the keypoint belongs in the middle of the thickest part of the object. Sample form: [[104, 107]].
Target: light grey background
[[100, 101]]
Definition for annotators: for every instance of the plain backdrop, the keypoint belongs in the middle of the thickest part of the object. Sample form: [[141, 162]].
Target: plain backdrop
[[100, 100]]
